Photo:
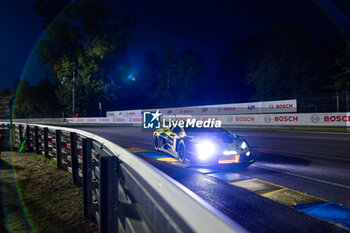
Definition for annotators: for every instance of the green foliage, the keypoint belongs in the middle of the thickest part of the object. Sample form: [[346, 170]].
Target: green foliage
[[30, 102], [5, 96], [342, 77], [180, 77], [80, 48], [287, 62], [149, 75]]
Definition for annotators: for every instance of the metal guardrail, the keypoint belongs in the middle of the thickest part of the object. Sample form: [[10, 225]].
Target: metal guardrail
[[121, 191]]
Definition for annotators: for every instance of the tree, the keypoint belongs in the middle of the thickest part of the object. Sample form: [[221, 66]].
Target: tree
[[192, 78], [230, 82], [182, 77], [167, 75], [148, 77], [288, 62], [341, 80], [82, 46], [30, 102], [5, 96]]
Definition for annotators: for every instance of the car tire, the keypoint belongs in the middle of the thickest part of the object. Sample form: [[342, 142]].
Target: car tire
[[181, 152], [156, 143]]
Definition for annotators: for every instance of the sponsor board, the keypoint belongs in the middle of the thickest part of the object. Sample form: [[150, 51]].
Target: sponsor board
[[294, 119], [126, 113], [290, 119], [279, 106], [89, 120]]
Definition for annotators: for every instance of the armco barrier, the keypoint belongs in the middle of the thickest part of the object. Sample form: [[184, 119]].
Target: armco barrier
[[122, 191], [40, 120], [106, 120]]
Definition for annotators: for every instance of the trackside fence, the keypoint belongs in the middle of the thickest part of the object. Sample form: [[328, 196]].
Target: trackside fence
[[120, 190]]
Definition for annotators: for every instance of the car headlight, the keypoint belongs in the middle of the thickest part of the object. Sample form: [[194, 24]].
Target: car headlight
[[205, 149], [229, 152], [243, 145]]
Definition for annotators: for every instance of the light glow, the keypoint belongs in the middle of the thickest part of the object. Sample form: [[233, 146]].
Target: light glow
[[248, 153], [229, 152], [205, 149], [244, 145], [231, 159]]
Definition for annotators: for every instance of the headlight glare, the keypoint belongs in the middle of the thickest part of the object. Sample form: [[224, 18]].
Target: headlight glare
[[244, 145], [229, 152], [205, 149]]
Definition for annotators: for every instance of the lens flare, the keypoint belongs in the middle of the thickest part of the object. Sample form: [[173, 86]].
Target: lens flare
[[205, 149], [23, 74]]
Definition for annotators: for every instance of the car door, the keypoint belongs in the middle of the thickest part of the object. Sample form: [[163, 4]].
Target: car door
[[172, 137]]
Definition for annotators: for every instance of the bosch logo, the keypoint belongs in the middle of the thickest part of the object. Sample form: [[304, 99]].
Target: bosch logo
[[268, 119], [283, 106], [204, 109], [229, 118], [271, 106], [315, 118], [220, 109], [286, 118], [170, 111], [337, 118], [245, 118]]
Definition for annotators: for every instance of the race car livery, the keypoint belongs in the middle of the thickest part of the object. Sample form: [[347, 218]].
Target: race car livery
[[203, 145]]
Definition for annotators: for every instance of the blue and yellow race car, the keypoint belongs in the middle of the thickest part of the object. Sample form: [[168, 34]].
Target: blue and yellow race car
[[204, 146]]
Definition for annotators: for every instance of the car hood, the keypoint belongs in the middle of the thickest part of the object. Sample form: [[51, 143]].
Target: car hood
[[218, 137]]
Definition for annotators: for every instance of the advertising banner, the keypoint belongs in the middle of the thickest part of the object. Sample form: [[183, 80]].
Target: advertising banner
[[290, 119], [295, 119], [280, 106]]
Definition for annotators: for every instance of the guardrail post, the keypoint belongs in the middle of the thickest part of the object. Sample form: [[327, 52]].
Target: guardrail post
[[46, 142], [20, 132], [74, 157], [58, 149], [28, 137], [36, 139], [12, 136], [108, 185], [87, 178]]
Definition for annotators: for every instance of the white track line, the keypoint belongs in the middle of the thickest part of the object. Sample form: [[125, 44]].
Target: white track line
[[304, 177]]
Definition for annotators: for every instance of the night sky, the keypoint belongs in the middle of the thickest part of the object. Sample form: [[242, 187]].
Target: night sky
[[207, 26]]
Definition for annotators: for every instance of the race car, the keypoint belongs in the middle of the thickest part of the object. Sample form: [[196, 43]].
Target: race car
[[205, 146]]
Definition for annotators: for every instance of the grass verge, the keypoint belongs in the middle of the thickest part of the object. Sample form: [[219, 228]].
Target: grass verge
[[52, 201]]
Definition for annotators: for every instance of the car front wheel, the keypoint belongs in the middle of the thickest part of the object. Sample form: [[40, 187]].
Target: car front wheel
[[181, 151], [156, 143]]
